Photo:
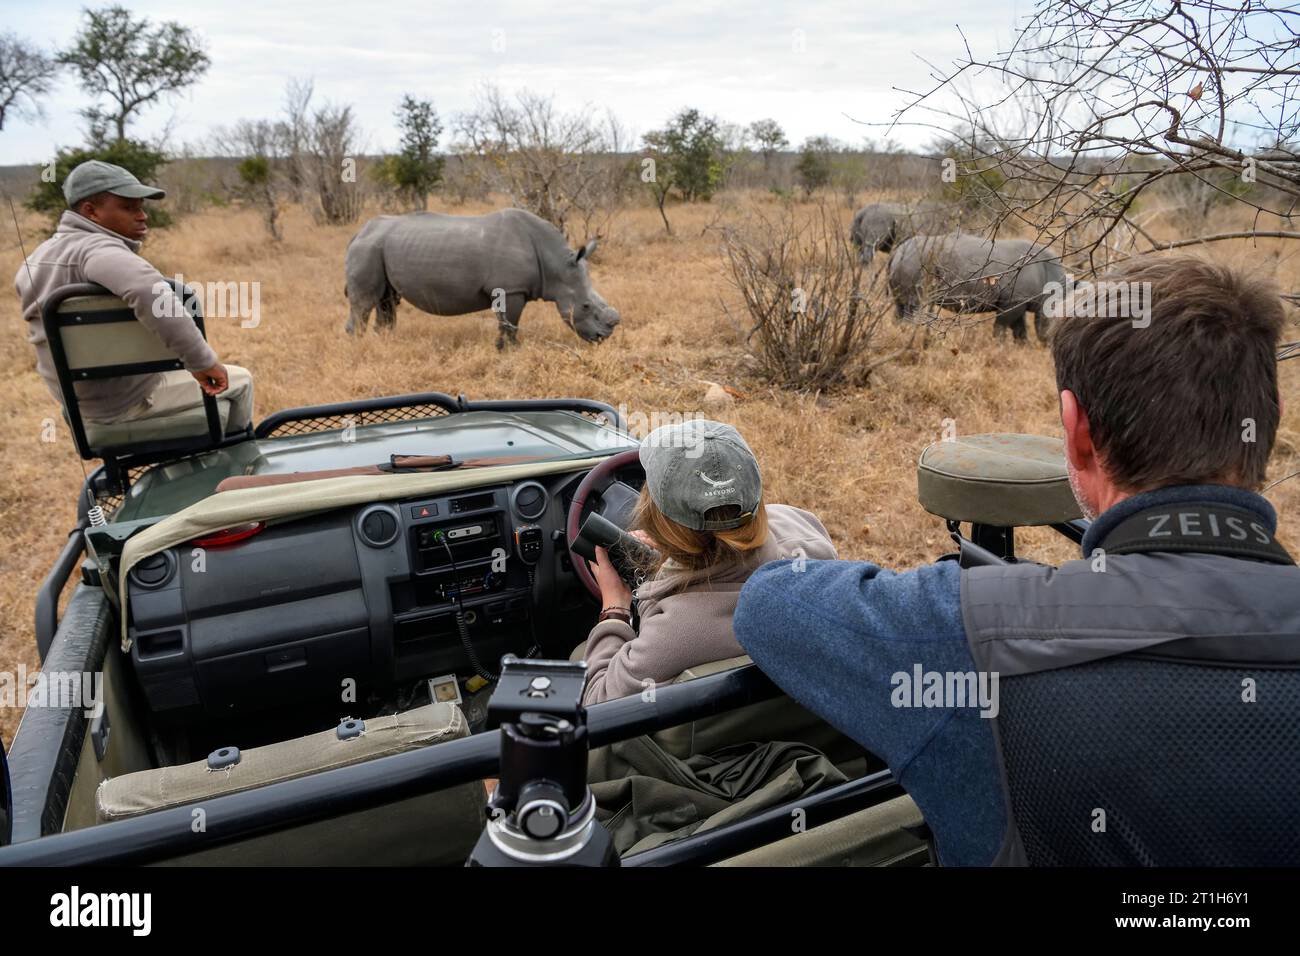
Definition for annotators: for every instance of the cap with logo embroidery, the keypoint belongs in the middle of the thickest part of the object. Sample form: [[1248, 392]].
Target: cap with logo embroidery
[[696, 466], [95, 176]]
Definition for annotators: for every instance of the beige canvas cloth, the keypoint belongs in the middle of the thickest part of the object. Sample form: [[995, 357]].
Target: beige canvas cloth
[[179, 392], [147, 790], [174, 409], [226, 509]]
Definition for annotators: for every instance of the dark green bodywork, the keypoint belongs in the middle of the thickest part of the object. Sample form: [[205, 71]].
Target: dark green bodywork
[[168, 488]]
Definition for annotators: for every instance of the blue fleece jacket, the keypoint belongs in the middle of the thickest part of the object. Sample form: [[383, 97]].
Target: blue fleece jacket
[[833, 634]]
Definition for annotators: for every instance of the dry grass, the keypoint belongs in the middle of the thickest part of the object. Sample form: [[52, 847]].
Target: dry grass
[[849, 457]]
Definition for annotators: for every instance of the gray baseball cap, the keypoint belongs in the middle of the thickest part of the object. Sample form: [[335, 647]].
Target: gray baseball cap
[[94, 176], [695, 466]]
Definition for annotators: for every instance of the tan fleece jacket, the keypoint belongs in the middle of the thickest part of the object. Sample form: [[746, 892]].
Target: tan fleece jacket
[[84, 251], [686, 616]]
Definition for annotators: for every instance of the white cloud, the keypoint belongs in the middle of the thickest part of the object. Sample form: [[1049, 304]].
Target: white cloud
[[642, 60]]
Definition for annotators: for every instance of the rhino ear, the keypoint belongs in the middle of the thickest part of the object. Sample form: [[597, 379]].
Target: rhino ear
[[585, 252]]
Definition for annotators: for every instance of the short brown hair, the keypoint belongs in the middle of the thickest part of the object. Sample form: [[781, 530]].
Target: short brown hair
[[1168, 404], [698, 550]]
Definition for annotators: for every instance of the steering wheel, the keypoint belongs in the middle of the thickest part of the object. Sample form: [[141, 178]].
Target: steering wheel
[[616, 498]]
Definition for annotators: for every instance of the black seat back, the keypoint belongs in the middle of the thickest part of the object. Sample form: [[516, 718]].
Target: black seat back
[[94, 335], [1148, 761]]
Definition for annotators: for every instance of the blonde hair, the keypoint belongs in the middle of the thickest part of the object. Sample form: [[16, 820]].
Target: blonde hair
[[697, 550]]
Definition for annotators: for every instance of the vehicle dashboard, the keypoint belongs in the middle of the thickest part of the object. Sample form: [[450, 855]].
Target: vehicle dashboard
[[363, 599]]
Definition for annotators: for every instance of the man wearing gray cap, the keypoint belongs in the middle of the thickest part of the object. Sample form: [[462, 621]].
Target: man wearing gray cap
[[97, 240], [702, 509]]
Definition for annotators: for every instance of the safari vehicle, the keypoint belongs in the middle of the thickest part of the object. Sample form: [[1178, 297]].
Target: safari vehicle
[[292, 626]]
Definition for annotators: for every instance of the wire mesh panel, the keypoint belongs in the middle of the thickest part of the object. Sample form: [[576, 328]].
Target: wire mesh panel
[[379, 416]]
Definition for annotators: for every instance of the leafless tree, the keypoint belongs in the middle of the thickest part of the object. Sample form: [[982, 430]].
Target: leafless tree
[[1100, 113], [809, 298], [293, 133], [330, 157], [560, 166], [26, 75], [261, 176]]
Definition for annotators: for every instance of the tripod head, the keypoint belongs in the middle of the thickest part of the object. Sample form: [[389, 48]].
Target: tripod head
[[542, 812]]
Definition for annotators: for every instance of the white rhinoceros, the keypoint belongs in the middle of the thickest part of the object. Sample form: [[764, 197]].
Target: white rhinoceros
[[452, 265], [971, 274], [881, 226]]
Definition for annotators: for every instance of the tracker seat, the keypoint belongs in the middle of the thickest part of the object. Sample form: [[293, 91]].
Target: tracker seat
[[94, 335], [998, 480]]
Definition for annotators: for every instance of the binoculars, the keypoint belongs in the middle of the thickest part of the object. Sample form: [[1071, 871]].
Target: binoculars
[[628, 554]]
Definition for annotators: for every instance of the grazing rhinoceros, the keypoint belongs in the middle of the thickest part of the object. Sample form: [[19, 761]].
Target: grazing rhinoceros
[[451, 265], [881, 226], [972, 274]]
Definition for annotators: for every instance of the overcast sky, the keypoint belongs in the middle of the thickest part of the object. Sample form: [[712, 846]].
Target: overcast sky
[[815, 68]]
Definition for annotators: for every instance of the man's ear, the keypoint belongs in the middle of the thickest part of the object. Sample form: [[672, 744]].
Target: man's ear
[[1078, 432]]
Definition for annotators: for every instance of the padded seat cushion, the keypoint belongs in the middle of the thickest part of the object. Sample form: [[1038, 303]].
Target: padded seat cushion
[[1002, 480], [188, 423], [147, 790]]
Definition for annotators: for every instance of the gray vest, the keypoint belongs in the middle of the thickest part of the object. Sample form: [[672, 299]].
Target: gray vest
[[1148, 701]]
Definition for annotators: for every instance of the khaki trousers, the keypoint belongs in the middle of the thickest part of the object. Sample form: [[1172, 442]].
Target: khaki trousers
[[179, 391]]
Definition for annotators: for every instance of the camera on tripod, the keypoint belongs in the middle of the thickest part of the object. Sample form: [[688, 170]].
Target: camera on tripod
[[542, 812]]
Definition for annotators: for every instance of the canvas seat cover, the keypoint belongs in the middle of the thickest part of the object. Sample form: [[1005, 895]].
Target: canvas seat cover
[[147, 790], [184, 423], [1002, 480], [434, 828]]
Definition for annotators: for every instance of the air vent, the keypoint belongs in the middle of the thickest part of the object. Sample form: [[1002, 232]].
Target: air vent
[[529, 500], [154, 571], [378, 526]]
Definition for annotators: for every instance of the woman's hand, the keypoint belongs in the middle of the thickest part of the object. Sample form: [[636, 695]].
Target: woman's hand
[[614, 591]]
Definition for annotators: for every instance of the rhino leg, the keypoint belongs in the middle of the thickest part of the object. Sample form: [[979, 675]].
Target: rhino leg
[[508, 320], [1042, 325], [386, 315], [1013, 319], [365, 282], [358, 317]]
